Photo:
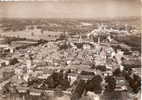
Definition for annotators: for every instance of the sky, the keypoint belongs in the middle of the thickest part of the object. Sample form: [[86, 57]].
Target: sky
[[70, 9]]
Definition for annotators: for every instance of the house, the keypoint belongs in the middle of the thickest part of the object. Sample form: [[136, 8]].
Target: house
[[4, 62], [35, 92], [121, 84], [86, 46], [4, 46], [22, 89], [72, 77]]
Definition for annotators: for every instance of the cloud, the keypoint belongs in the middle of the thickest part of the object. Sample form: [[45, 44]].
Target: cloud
[[75, 0], [70, 8], [79, 0]]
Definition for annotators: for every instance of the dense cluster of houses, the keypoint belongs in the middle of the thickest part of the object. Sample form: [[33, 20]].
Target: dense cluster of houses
[[82, 66]]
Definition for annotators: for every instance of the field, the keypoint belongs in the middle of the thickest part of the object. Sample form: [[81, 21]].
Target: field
[[51, 29]]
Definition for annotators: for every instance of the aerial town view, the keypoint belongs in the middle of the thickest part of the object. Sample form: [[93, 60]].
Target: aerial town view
[[69, 58]]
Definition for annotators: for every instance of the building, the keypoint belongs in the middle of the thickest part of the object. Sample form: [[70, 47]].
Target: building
[[3, 43], [42, 34], [115, 95], [4, 46]]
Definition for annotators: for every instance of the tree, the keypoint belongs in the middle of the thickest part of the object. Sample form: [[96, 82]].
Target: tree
[[111, 83], [94, 84]]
